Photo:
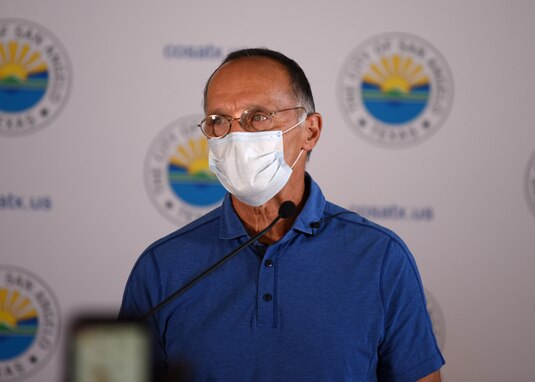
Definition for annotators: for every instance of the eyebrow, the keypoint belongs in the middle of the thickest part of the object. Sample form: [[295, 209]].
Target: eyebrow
[[249, 107]]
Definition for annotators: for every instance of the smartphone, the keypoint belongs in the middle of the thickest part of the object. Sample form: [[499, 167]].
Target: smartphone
[[102, 349]]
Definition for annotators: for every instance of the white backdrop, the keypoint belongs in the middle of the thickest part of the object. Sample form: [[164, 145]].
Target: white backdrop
[[76, 203]]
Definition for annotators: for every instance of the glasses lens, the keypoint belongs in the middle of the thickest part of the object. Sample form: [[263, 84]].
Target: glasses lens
[[215, 126], [256, 120]]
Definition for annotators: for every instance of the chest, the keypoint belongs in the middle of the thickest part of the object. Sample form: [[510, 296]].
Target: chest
[[304, 306]]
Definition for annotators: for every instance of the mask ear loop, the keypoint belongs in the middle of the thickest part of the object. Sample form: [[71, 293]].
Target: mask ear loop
[[294, 126], [290, 128], [300, 152]]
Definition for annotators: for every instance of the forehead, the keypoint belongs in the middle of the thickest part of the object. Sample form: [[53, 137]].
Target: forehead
[[249, 81]]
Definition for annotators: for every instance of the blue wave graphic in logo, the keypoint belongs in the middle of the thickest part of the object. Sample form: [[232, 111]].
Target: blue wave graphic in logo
[[199, 189], [190, 177], [394, 107], [17, 96], [23, 76], [15, 340]]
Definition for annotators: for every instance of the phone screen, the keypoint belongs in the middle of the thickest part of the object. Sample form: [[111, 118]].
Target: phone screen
[[106, 350]]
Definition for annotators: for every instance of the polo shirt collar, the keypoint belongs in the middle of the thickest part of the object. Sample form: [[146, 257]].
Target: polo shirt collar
[[313, 208], [232, 227]]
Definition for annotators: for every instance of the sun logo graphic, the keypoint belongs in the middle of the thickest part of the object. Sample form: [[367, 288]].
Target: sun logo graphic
[[177, 176], [23, 77], [34, 77], [29, 323], [18, 323], [395, 89]]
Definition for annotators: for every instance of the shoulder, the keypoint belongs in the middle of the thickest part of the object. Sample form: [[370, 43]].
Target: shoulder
[[205, 225], [351, 221], [146, 274], [358, 236], [200, 228]]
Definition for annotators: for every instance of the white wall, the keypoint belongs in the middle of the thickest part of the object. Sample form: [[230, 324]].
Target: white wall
[[120, 90]]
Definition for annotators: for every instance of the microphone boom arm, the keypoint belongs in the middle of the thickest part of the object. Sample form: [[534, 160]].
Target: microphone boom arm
[[211, 269]]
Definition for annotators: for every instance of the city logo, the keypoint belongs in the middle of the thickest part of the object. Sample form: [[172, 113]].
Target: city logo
[[395, 90], [29, 323], [35, 77], [437, 319], [177, 176], [530, 183]]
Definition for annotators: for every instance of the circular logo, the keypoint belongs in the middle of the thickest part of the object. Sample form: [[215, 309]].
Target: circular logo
[[29, 323], [34, 77], [530, 183], [177, 175], [395, 89], [437, 319]]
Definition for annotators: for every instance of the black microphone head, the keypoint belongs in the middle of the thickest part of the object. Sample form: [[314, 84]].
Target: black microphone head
[[287, 209]]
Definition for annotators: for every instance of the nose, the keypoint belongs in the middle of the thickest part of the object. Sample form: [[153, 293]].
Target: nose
[[235, 126]]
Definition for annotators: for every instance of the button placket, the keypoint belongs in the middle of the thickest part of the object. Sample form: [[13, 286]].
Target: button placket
[[266, 299]]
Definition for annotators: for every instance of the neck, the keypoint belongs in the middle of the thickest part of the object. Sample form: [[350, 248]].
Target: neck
[[255, 219]]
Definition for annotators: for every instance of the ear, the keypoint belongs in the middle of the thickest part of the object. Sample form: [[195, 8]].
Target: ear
[[312, 131]]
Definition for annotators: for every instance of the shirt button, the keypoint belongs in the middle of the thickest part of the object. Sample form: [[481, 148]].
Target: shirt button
[[268, 263], [268, 297]]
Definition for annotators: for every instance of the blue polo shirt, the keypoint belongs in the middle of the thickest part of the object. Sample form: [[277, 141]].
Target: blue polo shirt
[[338, 298]]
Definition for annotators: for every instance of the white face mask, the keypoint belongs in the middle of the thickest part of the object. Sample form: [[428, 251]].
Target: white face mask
[[251, 166]]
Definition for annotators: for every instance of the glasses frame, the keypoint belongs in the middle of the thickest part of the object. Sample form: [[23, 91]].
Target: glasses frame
[[242, 119]]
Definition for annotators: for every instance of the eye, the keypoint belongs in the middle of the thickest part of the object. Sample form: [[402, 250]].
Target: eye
[[258, 120], [259, 117], [215, 120], [215, 125]]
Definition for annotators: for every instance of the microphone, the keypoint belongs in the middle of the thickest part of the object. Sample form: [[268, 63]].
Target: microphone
[[286, 210]]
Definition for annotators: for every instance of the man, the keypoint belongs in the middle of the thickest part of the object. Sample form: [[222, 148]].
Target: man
[[323, 296]]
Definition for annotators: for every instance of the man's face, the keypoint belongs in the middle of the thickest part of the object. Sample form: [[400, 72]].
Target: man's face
[[256, 82]]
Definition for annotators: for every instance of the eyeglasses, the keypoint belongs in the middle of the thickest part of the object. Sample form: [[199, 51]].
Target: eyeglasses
[[252, 120]]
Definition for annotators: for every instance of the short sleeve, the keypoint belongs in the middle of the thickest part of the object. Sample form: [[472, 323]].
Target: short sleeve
[[409, 350], [142, 293]]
